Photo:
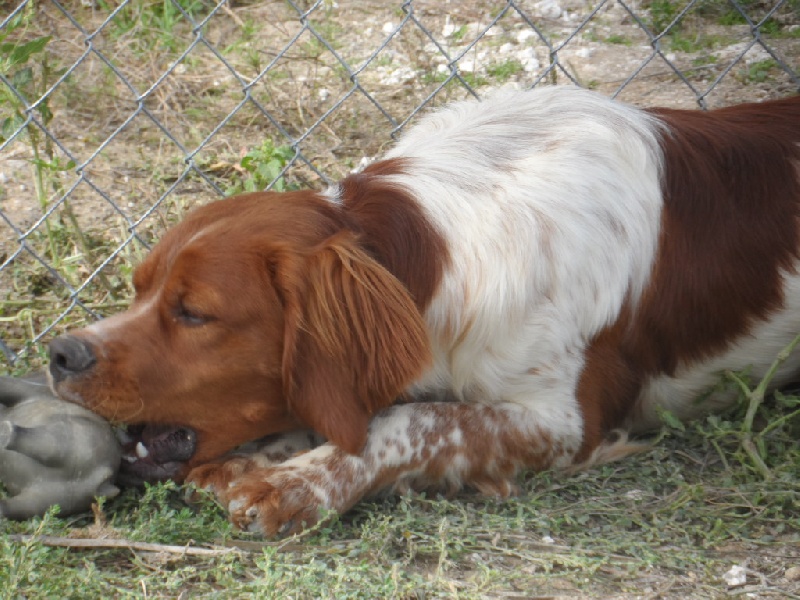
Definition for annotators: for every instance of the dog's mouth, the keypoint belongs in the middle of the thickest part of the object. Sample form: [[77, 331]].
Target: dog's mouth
[[152, 453]]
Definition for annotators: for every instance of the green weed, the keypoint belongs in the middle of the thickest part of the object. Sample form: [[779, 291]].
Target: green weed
[[261, 169], [32, 72], [619, 39], [504, 71], [705, 59], [758, 72], [459, 34], [691, 41], [471, 79], [153, 21], [327, 31], [662, 13]]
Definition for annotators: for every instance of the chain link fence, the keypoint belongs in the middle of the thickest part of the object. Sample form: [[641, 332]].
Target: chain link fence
[[118, 116]]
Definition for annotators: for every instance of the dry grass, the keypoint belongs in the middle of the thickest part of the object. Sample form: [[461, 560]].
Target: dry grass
[[667, 524]]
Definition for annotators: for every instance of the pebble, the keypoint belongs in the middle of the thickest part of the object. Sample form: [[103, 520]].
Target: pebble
[[735, 576], [549, 9]]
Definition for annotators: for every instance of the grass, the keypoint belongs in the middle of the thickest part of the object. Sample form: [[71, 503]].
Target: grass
[[619, 39], [502, 72], [690, 33], [668, 522], [758, 72], [152, 23], [673, 520], [696, 41]]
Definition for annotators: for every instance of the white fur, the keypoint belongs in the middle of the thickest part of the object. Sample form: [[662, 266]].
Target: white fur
[[752, 354], [549, 202], [106, 329]]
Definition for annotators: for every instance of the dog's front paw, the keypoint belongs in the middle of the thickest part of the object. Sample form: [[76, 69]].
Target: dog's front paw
[[218, 477], [275, 502], [281, 499]]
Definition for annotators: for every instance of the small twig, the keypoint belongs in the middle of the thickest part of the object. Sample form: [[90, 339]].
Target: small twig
[[752, 452], [755, 590], [236, 18], [539, 547], [778, 422], [720, 454], [755, 398], [741, 383], [259, 545], [117, 543]]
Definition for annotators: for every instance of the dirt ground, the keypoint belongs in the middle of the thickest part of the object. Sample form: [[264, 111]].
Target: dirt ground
[[338, 84]]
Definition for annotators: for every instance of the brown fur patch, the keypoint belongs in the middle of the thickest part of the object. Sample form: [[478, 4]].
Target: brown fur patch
[[395, 229], [729, 227]]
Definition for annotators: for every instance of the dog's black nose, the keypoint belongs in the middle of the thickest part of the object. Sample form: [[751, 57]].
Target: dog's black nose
[[70, 355]]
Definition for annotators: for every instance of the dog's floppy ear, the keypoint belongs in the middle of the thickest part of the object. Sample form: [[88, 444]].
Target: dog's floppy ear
[[354, 339]]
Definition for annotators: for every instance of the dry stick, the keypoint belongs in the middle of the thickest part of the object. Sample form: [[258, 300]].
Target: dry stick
[[290, 544], [752, 591], [758, 394], [224, 546], [116, 543], [755, 399], [234, 17]]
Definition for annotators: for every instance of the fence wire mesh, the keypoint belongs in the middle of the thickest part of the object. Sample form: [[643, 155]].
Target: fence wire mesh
[[118, 116]]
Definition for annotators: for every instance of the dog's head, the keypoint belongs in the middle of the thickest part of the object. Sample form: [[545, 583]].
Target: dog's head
[[255, 315]]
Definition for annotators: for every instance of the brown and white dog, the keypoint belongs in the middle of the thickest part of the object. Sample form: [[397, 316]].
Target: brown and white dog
[[516, 280]]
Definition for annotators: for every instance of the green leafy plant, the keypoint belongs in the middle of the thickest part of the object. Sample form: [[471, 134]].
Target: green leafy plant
[[619, 39], [32, 73], [504, 71], [28, 83], [459, 33], [754, 442], [156, 19], [758, 72], [662, 13], [261, 168]]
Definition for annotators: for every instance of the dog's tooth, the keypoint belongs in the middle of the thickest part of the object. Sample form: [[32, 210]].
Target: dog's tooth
[[129, 459], [141, 451]]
